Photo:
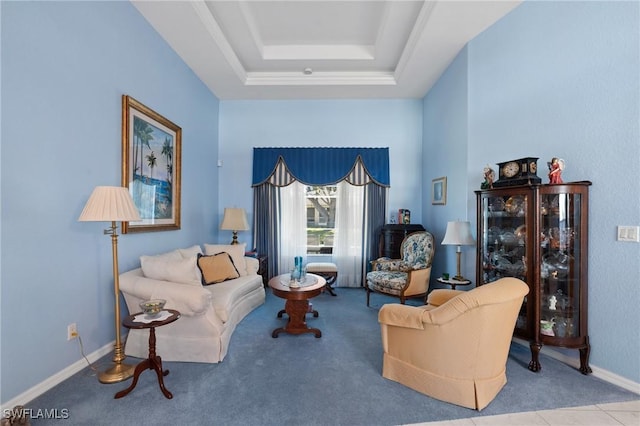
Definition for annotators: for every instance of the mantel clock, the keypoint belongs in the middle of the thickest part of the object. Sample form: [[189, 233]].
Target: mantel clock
[[518, 172]]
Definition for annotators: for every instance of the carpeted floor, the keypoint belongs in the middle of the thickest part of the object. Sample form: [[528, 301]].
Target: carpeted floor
[[302, 380]]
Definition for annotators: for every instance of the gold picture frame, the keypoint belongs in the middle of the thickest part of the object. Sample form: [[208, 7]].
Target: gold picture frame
[[151, 167], [439, 191]]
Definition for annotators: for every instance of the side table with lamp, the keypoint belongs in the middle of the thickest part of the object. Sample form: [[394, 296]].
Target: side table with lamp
[[459, 234]]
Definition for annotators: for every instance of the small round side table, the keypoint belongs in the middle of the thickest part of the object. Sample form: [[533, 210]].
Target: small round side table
[[453, 283], [154, 362]]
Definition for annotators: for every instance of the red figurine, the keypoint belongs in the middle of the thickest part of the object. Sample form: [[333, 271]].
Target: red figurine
[[555, 170]]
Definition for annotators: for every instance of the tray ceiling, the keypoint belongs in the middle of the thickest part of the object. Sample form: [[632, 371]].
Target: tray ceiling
[[320, 49]]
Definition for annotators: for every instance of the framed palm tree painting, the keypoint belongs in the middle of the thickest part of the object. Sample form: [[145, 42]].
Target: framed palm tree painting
[[151, 157]]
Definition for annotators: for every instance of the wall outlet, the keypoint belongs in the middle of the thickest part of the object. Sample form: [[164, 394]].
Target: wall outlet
[[629, 233], [72, 331]]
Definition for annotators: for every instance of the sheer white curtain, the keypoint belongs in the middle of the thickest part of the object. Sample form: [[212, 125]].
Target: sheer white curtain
[[348, 239], [293, 225]]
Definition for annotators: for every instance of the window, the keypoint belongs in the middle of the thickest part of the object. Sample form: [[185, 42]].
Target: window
[[321, 218], [281, 213]]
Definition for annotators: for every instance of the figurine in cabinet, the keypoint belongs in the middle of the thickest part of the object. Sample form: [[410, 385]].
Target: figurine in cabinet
[[556, 166], [552, 302]]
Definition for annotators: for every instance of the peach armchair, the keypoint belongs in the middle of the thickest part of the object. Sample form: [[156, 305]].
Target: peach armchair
[[406, 277], [455, 348]]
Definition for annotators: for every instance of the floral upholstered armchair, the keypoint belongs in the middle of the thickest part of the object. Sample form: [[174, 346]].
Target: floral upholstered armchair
[[406, 277]]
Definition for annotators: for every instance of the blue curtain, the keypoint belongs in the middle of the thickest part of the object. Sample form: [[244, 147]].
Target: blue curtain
[[266, 224], [375, 218], [320, 166]]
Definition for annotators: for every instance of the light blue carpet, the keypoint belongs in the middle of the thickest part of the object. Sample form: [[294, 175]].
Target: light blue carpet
[[301, 380]]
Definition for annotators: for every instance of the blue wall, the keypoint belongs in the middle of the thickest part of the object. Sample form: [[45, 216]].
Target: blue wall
[[65, 66], [561, 79], [551, 78], [359, 123], [445, 135]]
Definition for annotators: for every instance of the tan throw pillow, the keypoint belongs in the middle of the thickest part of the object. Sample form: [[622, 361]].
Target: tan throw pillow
[[216, 268], [236, 251]]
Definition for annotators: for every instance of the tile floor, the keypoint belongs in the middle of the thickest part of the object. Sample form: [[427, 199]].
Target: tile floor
[[617, 413]]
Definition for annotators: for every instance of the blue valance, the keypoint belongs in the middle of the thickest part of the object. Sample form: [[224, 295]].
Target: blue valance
[[320, 166]]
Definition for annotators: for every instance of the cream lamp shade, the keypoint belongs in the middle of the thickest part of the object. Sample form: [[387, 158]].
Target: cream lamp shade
[[458, 234], [109, 204], [235, 219]]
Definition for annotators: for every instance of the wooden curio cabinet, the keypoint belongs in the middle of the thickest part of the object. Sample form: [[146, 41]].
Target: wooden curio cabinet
[[539, 233]]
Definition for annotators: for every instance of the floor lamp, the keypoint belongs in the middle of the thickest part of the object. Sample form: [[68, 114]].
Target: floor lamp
[[458, 234], [112, 204]]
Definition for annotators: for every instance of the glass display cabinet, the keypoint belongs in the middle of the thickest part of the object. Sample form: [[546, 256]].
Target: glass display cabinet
[[539, 234]]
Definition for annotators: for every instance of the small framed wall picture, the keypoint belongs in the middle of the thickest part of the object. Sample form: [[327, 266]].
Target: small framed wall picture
[[439, 190]]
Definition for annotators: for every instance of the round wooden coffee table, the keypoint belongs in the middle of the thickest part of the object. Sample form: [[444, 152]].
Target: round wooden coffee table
[[297, 303]]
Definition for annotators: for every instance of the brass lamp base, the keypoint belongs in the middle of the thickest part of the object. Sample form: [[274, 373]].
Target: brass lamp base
[[117, 373], [234, 240], [458, 276]]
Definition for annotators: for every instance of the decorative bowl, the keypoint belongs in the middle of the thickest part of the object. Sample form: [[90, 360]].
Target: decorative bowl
[[496, 204], [515, 205], [152, 308]]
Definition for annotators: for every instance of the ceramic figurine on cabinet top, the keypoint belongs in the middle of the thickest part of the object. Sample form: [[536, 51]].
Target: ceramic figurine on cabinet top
[[552, 302], [489, 177], [404, 216], [556, 166]]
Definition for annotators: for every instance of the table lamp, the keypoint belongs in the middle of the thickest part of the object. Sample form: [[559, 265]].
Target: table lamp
[[112, 204], [458, 234], [235, 219]]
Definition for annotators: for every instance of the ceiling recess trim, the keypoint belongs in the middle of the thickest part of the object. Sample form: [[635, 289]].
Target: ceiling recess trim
[[320, 79], [213, 28], [317, 52], [414, 37], [414, 42]]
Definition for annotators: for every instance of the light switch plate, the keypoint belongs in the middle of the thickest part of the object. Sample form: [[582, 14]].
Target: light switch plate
[[629, 233]]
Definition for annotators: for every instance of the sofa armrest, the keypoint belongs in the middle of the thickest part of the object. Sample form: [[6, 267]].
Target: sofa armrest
[[252, 264], [190, 300]]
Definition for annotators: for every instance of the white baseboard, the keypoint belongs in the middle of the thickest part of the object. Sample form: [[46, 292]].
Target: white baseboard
[[600, 373], [57, 378]]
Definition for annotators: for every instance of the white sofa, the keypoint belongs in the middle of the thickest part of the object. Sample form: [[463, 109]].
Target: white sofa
[[209, 313]]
